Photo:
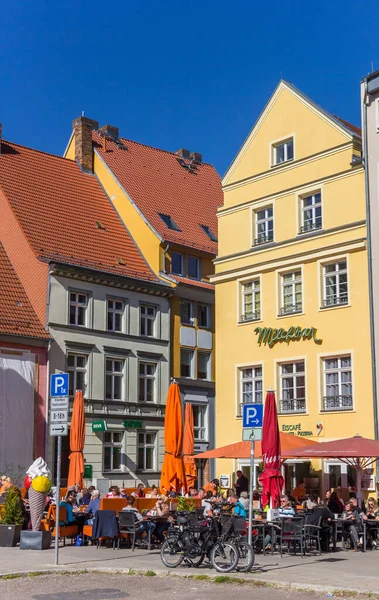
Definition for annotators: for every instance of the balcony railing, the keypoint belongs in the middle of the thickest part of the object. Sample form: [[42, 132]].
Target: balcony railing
[[291, 308], [251, 316], [335, 300], [292, 406], [263, 239], [333, 403], [310, 227]]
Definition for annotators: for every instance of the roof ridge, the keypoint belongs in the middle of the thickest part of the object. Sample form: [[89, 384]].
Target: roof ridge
[[67, 160]]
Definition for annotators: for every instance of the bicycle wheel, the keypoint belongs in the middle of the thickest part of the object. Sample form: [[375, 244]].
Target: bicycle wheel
[[224, 557], [246, 557], [172, 555]]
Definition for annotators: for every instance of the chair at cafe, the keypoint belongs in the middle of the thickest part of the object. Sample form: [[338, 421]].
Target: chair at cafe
[[128, 527], [312, 534], [105, 527], [64, 531], [291, 533]]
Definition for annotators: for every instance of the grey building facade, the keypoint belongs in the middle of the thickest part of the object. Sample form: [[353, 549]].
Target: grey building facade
[[111, 334]]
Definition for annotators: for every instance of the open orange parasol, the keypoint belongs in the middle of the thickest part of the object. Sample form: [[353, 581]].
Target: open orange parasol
[[173, 477], [189, 446], [77, 438]]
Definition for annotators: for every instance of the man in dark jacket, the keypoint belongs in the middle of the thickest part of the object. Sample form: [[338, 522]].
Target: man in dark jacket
[[242, 483], [322, 512]]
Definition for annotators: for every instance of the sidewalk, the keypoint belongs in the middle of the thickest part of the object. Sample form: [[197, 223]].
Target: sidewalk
[[329, 572]]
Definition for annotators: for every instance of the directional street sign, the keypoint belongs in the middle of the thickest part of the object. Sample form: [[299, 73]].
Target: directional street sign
[[252, 417], [251, 435], [59, 384], [58, 416], [59, 403], [58, 429]]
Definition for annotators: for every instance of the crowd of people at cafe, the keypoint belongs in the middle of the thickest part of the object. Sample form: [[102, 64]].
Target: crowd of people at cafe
[[82, 504]]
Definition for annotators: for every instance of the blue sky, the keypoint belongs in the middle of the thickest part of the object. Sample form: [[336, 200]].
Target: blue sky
[[176, 74]]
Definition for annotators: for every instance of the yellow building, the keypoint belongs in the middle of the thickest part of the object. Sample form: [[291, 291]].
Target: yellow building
[[168, 202], [292, 306]]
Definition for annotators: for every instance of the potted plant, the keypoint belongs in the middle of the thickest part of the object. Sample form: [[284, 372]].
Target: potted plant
[[186, 504], [12, 518]]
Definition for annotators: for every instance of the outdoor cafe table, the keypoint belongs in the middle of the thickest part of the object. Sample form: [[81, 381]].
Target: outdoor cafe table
[[369, 524]]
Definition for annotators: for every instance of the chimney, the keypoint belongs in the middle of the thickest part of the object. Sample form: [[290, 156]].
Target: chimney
[[197, 158], [83, 127], [110, 131], [183, 153]]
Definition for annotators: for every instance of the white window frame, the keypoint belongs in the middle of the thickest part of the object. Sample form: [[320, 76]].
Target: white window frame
[[115, 374], [77, 305], [182, 261], [338, 402], [148, 318], [295, 307], [75, 369], [192, 312], [192, 365], [145, 377], [209, 365], [253, 287], [255, 379], [326, 303], [145, 445], [112, 445], [312, 208], [298, 405], [277, 144], [113, 311], [267, 236], [208, 311], [203, 426]]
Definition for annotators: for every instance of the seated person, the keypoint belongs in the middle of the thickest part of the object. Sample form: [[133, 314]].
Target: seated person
[[140, 491], [320, 511], [351, 524], [161, 509], [335, 505], [238, 507], [244, 499], [85, 497], [93, 507], [202, 494], [299, 492], [114, 492], [372, 515], [143, 525], [284, 512]]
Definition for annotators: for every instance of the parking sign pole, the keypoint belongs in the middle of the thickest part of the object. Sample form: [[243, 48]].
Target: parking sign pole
[[58, 498], [250, 534]]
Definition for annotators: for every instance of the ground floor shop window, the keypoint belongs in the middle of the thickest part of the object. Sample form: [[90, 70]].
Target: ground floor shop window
[[146, 451], [112, 449]]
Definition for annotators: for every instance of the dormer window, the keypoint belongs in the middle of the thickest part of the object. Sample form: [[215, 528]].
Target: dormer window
[[282, 152], [169, 222], [209, 233]]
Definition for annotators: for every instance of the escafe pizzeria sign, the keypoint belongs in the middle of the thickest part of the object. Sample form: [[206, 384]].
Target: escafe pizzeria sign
[[269, 336]]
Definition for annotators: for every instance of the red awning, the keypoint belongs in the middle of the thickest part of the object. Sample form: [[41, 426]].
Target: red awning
[[348, 448], [289, 443]]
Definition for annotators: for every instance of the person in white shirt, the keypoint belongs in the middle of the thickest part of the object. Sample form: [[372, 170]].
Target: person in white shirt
[[144, 525]]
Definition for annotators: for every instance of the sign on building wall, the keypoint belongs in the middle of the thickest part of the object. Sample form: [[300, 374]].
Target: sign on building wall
[[269, 336]]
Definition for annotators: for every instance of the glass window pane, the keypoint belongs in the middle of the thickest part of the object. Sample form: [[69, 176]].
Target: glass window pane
[[117, 437], [107, 458], [289, 150], [117, 394], [141, 458], [193, 267], [177, 263], [108, 386], [150, 438], [149, 458], [150, 390], [116, 458], [80, 381], [117, 322]]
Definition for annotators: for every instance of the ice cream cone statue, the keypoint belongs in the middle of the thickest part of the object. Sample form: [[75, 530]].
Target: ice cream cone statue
[[38, 490]]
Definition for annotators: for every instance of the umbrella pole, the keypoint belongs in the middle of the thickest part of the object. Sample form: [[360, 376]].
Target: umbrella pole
[[359, 483]]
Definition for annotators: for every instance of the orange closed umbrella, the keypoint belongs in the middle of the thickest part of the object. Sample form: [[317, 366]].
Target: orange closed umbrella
[[189, 447], [77, 438], [173, 477]]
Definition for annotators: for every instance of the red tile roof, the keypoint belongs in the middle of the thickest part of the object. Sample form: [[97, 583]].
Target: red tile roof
[[17, 316], [188, 281], [352, 128], [157, 183], [65, 213]]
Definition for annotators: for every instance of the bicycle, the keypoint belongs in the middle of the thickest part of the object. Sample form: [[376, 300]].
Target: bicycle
[[191, 541], [234, 530]]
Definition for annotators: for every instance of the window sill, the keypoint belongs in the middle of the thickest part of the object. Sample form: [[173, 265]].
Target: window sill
[[251, 322], [290, 314], [334, 307], [282, 164], [337, 411], [312, 230]]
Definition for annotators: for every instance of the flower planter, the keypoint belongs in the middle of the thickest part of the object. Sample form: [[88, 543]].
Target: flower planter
[[35, 540], [10, 535]]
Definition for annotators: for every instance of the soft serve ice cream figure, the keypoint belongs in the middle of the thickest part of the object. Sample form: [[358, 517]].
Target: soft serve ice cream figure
[[38, 490]]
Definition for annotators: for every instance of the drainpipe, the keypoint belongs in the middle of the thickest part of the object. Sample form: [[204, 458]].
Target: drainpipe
[[164, 258], [369, 257]]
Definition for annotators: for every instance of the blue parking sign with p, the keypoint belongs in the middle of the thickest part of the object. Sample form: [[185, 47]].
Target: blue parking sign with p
[[252, 416], [59, 385]]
